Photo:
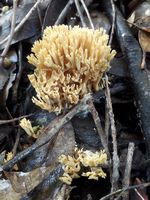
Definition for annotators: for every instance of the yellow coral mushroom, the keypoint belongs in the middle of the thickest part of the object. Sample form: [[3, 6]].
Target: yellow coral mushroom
[[69, 63], [27, 127], [72, 166], [88, 158]]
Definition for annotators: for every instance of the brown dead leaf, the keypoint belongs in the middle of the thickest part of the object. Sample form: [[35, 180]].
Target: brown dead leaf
[[141, 18], [7, 192], [144, 36], [143, 23], [142, 10], [24, 182], [144, 40], [64, 144]]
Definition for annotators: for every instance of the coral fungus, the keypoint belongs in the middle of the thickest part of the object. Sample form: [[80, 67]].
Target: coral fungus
[[89, 161], [69, 63]]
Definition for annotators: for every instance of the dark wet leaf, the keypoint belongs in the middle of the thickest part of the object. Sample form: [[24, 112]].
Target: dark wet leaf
[[29, 29], [51, 16]]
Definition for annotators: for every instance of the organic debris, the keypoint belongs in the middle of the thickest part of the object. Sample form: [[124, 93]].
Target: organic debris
[[74, 101]]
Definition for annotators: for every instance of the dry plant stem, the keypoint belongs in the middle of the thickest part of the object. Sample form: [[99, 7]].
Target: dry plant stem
[[23, 20], [113, 22], [136, 191], [51, 130], [16, 142], [64, 12], [80, 13], [13, 22], [87, 13], [143, 185], [97, 122], [126, 178], [115, 172], [13, 120], [107, 122]]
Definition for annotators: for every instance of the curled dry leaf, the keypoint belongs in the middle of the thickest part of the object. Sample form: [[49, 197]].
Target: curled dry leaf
[[144, 36], [142, 10], [141, 18], [24, 182]]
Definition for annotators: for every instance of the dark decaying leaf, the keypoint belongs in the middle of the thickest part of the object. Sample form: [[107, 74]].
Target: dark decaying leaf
[[38, 172], [49, 152], [47, 188], [30, 28], [51, 16], [4, 76], [65, 136], [24, 182], [6, 87]]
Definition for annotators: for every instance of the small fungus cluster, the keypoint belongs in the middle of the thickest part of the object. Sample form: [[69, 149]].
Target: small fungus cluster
[[69, 63], [83, 160], [29, 129]]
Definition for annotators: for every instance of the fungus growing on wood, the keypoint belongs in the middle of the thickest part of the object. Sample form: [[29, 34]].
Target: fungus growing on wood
[[70, 63]]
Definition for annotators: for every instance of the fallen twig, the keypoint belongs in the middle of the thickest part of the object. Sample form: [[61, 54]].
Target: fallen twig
[[51, 131], [113, 22], [13, 120], [143, 185], [97, 122], [64, 12], [115, 172], [80, 13], [87, 13], [126, 178]]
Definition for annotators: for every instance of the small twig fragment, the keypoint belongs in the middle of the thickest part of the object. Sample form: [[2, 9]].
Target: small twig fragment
[[98, 126], [80, 13], [115, 173], [126, 178]]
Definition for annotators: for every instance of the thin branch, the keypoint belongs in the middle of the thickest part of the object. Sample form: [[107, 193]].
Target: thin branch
[[97, 122], [80, 13], [143, 185], [126, 178], [13, 23], [14, 150], [64, 12], [113, 22], [23, 20], [137, 192], [13, 120], [115, 173], [107, 122], [87, 13]]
